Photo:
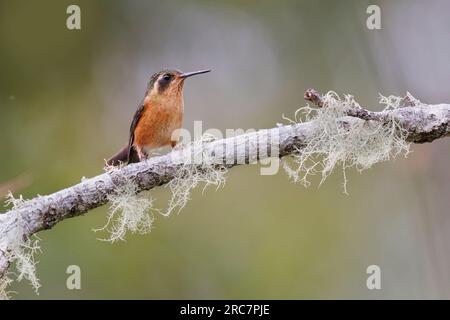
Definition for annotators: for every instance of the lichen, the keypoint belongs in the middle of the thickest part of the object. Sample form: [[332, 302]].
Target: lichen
[[19, 250], [128, 210], [196, 166], [354, 143]]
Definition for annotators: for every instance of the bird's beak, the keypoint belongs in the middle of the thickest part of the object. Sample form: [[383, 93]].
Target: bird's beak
[[189, 74]]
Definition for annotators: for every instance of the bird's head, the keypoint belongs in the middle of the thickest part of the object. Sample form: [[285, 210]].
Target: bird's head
[[168, 84]]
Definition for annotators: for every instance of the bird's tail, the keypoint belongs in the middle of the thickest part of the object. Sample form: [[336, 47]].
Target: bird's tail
[[119, 158]]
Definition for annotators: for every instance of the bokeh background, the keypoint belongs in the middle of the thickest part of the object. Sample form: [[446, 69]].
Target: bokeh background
[[67, 99]]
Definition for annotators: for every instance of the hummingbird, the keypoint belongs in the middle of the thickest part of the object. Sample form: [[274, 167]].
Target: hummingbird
[[158, 117]]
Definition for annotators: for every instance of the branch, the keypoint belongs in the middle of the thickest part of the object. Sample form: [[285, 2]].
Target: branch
[[422, 123]]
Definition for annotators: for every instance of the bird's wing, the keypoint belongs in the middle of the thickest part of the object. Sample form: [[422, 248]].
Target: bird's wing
[[136, 118]]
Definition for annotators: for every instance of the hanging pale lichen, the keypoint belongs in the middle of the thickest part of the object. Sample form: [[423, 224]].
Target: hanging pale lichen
[[196, 166], [336, 142], [128, 211], [20, 251]]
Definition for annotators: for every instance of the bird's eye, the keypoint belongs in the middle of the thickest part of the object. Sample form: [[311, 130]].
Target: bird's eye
[[164, 81]]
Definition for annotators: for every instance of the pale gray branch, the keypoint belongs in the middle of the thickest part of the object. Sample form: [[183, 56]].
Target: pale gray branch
[[423, 123]]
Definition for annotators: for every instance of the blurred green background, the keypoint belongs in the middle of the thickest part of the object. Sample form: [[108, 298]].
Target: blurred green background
[[67, 98]]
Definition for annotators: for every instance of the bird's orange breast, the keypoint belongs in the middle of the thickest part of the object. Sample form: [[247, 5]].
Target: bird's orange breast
[[157, 124]]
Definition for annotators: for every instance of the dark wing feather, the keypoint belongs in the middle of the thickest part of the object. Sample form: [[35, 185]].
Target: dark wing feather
[[132, 154]]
